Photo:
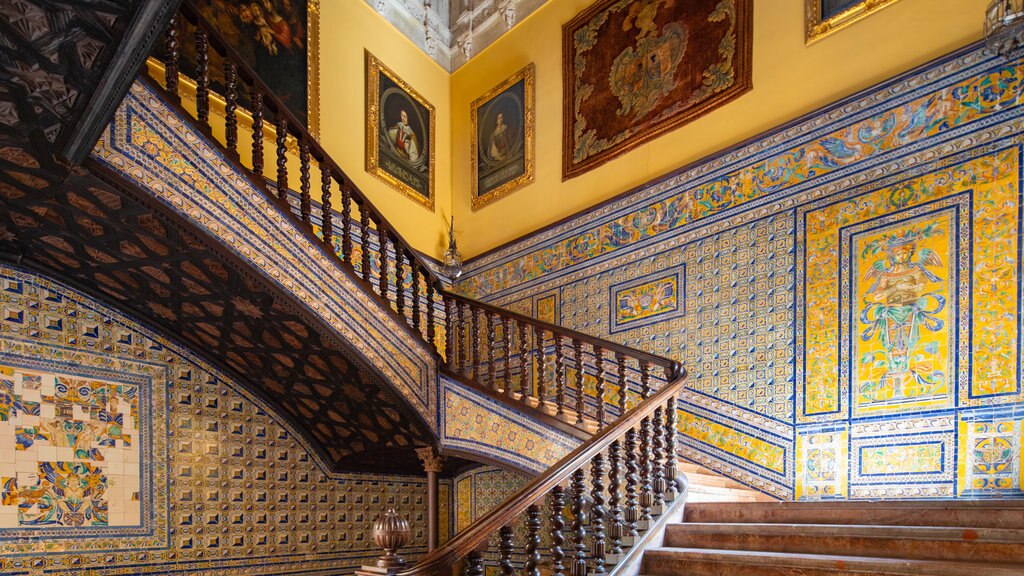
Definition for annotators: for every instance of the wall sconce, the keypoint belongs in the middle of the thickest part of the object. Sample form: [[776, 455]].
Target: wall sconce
[[452, 257]]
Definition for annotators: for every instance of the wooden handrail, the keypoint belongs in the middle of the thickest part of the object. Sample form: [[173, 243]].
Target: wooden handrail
[[442, 559], [671, 367], [271, 100], [513, 365]]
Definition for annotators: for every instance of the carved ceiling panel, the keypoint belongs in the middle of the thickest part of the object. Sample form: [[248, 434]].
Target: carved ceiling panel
[[108, 242]]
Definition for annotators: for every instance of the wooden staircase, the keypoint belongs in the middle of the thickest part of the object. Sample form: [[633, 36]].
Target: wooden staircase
[[940, 538]]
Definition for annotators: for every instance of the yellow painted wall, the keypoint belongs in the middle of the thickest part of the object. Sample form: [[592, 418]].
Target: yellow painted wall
[[790, 79], [347, 27]]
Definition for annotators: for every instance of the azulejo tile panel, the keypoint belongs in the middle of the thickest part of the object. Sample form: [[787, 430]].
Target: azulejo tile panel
[[643, 302], [474, 424], [135, 457], [851, 290], [149, 145], [76, 450]]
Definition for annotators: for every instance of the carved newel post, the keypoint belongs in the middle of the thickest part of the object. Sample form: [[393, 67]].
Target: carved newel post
[[390, 532]]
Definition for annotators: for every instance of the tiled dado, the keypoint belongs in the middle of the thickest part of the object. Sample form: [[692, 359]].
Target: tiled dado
[[121, 453], [844, 293]]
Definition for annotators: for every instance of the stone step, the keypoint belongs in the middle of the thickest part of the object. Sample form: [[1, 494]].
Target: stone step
[[913, 542], [705, 562], [966, 514]]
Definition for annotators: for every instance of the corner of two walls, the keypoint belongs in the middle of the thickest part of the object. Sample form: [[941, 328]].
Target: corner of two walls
[[845, 292]]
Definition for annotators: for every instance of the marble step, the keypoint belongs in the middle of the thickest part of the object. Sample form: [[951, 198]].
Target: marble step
[[965, 514], [913, 542], [704, 562]]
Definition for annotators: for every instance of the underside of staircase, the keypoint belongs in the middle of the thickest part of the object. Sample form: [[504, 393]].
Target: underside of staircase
[[938, 538]]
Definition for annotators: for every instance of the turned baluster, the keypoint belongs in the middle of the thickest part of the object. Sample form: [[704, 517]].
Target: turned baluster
[[282, 158], [304, 199], [599, 366], [507, 341], [382, 259], [256, 100], [491, 337], [559, 376], [614, 497], [326, 215], [449, 329], [474, 564], [620, 360], [541, 391], [645, 380], [463, 339], [557, 526], [578, 491], [646, 457], [671, 414], [658, 482], [631, 512], [580, 396], [506, 546], [364, 242], [475, 343], [597, 512], [202, 77], [346, 224], [399, 279], [171, 58], [230, 107], [533, 525], [523, 376], [431, 329], [416, 322]]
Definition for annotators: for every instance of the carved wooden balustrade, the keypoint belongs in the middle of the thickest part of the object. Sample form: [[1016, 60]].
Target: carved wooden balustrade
[[635, 455], [584, 380]]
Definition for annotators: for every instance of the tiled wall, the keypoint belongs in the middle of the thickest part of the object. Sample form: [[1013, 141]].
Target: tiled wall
[[122, 453], [480, 490], [844, 291]]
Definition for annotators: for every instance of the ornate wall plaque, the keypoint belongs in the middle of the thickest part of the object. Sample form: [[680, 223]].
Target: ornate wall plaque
[[635, 69]]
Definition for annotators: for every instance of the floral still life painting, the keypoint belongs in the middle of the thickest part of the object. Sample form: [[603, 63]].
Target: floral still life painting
[[635, 69]]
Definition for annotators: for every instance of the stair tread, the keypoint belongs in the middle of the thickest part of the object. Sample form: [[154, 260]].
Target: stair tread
[[957, 533], [829, 560]]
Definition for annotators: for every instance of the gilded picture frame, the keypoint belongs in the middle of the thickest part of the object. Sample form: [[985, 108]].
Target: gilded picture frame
[[502, 155], [398, 121], [311, 37], [821, 21]]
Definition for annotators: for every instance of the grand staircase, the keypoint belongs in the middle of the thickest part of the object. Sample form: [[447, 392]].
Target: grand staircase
[[827, 539], [622, 502]]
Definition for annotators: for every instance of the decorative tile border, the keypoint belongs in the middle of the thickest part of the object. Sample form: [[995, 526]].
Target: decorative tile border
[[148, 144]]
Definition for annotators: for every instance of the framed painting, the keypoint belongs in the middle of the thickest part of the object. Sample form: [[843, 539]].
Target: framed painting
[[635, 69], [280, 40], [399, 134], [827, 16], [503, 138]]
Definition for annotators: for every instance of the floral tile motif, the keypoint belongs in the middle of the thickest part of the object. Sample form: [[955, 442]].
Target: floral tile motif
[[92, 428]]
